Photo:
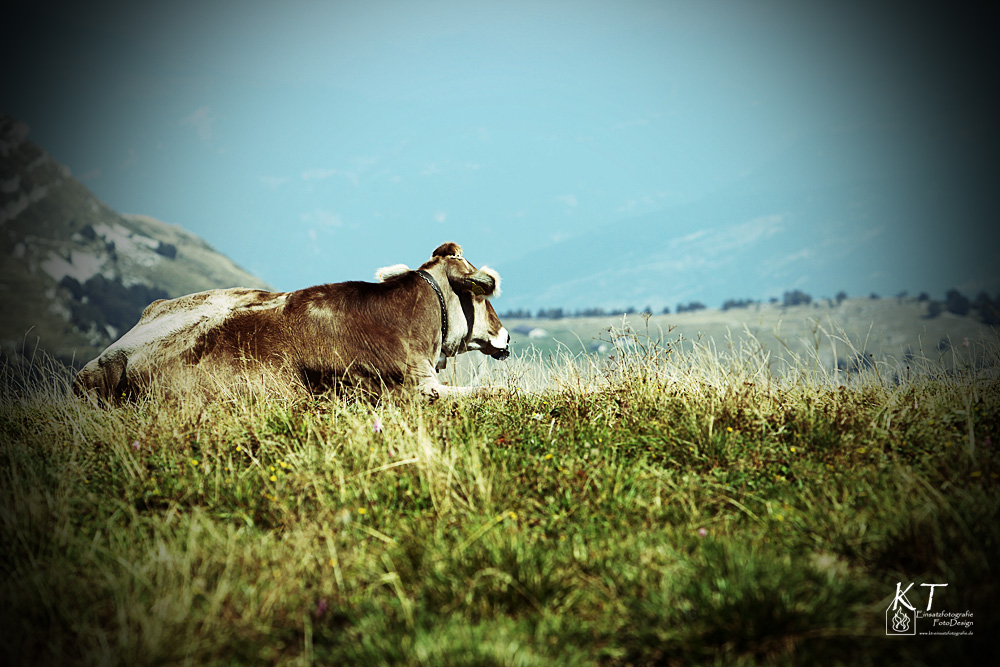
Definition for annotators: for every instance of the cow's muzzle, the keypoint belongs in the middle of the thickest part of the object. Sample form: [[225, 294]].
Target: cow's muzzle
[[501, 343]]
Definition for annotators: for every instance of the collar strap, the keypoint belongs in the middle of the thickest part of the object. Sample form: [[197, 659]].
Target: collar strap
[[444, 311]]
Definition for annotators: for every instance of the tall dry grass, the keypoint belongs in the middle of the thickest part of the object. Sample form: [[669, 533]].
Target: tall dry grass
[[680, 502]]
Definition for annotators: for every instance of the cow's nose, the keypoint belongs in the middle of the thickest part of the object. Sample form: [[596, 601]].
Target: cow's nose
[[502, 343]]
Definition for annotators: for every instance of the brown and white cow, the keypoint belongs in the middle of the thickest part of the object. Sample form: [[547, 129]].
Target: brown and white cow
[[366, 336]]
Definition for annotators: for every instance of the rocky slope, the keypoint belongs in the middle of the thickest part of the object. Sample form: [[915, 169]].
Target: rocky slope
[[75, 274]]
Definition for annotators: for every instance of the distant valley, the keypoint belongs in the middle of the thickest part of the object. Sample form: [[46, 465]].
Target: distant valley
[[923, 230], [76, 274]]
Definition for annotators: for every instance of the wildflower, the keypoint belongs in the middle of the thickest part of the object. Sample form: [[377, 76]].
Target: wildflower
[[194, 462], [548, 456], [779, 517], [537, 416], [512, 515], [702, 532], [273, 478], [320, 606], [965, 342], [377, 424], [729, 429], [362, 510], [135, 444], [792, 450]]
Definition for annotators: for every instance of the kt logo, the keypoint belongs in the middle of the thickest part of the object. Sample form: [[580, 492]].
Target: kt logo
[[901, 615]]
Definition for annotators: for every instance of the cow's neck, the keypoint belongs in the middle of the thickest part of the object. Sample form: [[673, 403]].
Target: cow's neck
[[444, 309]]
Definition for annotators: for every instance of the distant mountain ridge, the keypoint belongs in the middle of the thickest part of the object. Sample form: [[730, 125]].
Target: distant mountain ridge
[[893, 228], [73, 272]]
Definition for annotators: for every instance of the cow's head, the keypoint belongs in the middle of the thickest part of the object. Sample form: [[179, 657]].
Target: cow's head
[[473, 324]]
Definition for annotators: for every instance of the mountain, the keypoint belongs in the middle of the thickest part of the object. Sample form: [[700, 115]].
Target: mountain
[[74, 274], [807, 220]]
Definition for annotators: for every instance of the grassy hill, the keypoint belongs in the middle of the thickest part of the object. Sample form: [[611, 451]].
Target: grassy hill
[[669, 504], [823, 331]]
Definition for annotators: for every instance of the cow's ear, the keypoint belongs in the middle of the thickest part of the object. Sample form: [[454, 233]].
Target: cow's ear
[[484, 282], [390, 272]]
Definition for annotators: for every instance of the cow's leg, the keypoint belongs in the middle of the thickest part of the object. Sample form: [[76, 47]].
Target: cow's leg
[[428, 384]]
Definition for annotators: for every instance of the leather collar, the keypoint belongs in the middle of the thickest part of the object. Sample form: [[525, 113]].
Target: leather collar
[[444, 311]]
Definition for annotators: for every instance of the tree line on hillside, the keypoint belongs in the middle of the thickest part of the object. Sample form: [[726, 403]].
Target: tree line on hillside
[[99, 302], [987, 309], [983, 307]]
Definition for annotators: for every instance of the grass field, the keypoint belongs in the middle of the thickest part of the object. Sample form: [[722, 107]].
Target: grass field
[[668, 502], [821, 332]]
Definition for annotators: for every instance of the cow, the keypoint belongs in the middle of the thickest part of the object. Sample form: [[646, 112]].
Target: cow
[[388, 336]]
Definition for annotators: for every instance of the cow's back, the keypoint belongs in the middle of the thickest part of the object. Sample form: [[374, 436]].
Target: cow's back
[[168, 337]]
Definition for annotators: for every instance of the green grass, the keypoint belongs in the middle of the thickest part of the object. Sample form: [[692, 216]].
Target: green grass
[[662, 507]]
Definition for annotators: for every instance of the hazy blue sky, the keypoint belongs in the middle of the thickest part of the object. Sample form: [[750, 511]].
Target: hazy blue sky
[[316, 141]]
